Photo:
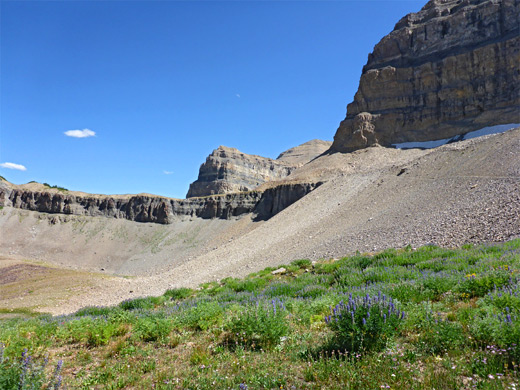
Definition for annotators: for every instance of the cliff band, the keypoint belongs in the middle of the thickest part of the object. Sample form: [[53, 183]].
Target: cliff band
[[447, 70]]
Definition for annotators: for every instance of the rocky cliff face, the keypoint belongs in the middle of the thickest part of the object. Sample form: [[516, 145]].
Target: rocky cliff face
[[148, 208], [228, 170], [447, 70]]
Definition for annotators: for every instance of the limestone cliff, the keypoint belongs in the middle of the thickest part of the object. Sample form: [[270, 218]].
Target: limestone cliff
[[447, 70], [150, 208], [227, 170]]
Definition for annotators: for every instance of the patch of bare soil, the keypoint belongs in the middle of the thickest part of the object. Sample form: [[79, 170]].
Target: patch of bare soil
[[26, 286], [17, 272]]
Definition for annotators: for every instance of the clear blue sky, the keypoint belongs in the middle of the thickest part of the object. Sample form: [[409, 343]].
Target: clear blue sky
[[163, 83]]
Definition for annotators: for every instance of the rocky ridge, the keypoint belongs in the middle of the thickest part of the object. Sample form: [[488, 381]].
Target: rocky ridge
[[155, 209], [227, 170], [447, 70]]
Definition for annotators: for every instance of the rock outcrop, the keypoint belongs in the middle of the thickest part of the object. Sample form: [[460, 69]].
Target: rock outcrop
[[227, 170], [155, 209], [447, 70], [304, 153]]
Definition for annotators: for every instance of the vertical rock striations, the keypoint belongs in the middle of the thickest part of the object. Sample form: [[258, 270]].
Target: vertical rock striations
[[155, 209], [447, 70]]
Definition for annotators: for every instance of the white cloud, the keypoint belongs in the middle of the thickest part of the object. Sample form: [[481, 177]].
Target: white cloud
[[9, 165], [237, 95], [167, 172], [80, 133]]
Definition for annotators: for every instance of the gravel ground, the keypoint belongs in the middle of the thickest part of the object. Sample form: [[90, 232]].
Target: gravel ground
[[372, 199]]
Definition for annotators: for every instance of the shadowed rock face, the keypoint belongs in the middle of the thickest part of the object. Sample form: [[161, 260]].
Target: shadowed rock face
[[144, 208], [447, 70], [228, 170]]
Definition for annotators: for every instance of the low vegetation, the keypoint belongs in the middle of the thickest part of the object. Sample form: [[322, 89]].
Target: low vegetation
[[415, 319], [62, 189]]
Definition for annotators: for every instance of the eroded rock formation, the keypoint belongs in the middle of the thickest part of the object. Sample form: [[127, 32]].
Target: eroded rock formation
[[149, 208], [447, 70], [228, 170]]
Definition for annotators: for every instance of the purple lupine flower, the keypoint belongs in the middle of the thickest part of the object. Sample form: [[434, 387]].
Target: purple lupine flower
[[57, 385], [364, 321], [384, 318]]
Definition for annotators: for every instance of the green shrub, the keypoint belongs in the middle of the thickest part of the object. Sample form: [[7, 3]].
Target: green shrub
[[364, 324], [178, 293], [501, 331], [141, 303], [362, 262], [479, 285], [203, 316], [438, 285], [91, 332], [55, 186], [439, 336], [100, 333], [258, 326], [302, 263], [250, 284], [152, 328]]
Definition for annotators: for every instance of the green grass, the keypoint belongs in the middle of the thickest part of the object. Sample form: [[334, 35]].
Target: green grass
[[401, 319]]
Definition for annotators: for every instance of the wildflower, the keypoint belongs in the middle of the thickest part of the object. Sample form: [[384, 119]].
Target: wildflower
[[491, 376]]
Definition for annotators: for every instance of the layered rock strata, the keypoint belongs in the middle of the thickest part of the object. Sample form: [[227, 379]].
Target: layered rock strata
[[447, 70], [148, 208], [228, 170]]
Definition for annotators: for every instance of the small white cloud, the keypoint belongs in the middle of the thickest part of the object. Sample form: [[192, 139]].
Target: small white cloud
[[9, 165], [167, 172], [238, 95], [80, 133]]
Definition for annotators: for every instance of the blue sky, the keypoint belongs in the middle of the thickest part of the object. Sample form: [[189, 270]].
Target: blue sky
[[163, 83]]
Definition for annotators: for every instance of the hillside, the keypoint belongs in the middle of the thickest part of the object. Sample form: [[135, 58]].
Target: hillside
[[433, 76], [371, 199], [430, 318]]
